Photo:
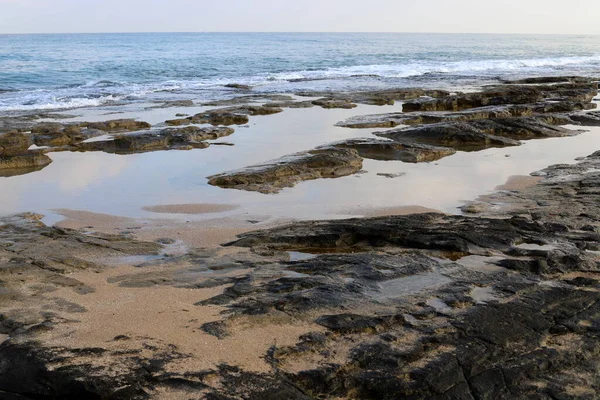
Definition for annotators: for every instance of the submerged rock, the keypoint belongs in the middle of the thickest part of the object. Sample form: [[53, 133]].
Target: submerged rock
[[271, 177], [238, 86]]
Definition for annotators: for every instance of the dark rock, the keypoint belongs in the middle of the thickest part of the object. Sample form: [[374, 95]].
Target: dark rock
[[334, 103], [117, 125], [287, 171], [16, 159], [226, 116], [191, 137], [461, 136], [478, 134], [352, 323], [388, 150], [490, 97], [377, 97], [238, 86], [421, 231]]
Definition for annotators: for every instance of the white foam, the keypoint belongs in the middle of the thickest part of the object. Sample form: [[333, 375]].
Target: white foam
[[101, 92]]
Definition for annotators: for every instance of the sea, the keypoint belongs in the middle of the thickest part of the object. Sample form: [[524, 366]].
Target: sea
[[66, 71]]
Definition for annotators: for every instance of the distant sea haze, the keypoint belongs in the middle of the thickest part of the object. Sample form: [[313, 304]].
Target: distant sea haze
[[79, 70]]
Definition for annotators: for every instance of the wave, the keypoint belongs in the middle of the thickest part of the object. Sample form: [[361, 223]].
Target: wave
[[102, 92], [415, 69]]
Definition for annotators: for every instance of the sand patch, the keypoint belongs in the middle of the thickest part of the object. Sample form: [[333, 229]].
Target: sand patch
[[165, 316], [206, 233], [206, 208], [519, 182]]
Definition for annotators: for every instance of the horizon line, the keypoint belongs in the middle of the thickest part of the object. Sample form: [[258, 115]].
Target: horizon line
[[300, 32]]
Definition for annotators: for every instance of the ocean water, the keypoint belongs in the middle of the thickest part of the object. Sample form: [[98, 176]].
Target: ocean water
[[83, 70]]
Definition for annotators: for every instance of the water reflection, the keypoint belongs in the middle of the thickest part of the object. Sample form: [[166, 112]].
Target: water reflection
[[122, 185]]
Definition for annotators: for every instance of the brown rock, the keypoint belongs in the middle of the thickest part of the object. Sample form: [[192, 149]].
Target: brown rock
[[117, 125], [326, 162], [386, 150], [13, 143]]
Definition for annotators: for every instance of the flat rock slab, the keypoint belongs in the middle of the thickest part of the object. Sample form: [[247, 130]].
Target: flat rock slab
[[191, 137], [478, 134], [237, 115], [508, 94], [386, 150], [271, 177], [377, 97], [539, 110]]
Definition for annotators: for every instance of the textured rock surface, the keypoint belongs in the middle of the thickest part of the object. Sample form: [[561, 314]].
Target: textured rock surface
[[16, 159], [271, 177], [226, 116], [191, 137], [509, 94], [540, 111], [389, 150]]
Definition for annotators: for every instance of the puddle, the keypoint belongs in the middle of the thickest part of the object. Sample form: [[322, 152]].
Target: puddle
[[439, 305], [409, 285], [531, 246], [131, 260], [293, 274], [298, 256], [483, 294], [482, 263]]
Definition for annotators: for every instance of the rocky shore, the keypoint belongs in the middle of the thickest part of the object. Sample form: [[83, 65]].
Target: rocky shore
[[500, 302]]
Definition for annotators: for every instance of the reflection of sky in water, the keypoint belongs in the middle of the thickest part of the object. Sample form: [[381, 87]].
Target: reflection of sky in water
[[121, 185]]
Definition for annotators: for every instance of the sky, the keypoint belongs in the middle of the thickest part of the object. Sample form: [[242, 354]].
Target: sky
[[451, 16]]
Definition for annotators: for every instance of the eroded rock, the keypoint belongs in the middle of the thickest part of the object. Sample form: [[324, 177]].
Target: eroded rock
[[478, 134], [389, 150], [15, 157], [271, 177], [226, 116], [191, 137]]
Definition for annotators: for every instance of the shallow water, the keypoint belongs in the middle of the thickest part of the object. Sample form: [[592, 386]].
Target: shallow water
[[124, 184]]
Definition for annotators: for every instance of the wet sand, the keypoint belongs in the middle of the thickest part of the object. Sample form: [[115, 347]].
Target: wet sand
[[519, 182], [142, 316]]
